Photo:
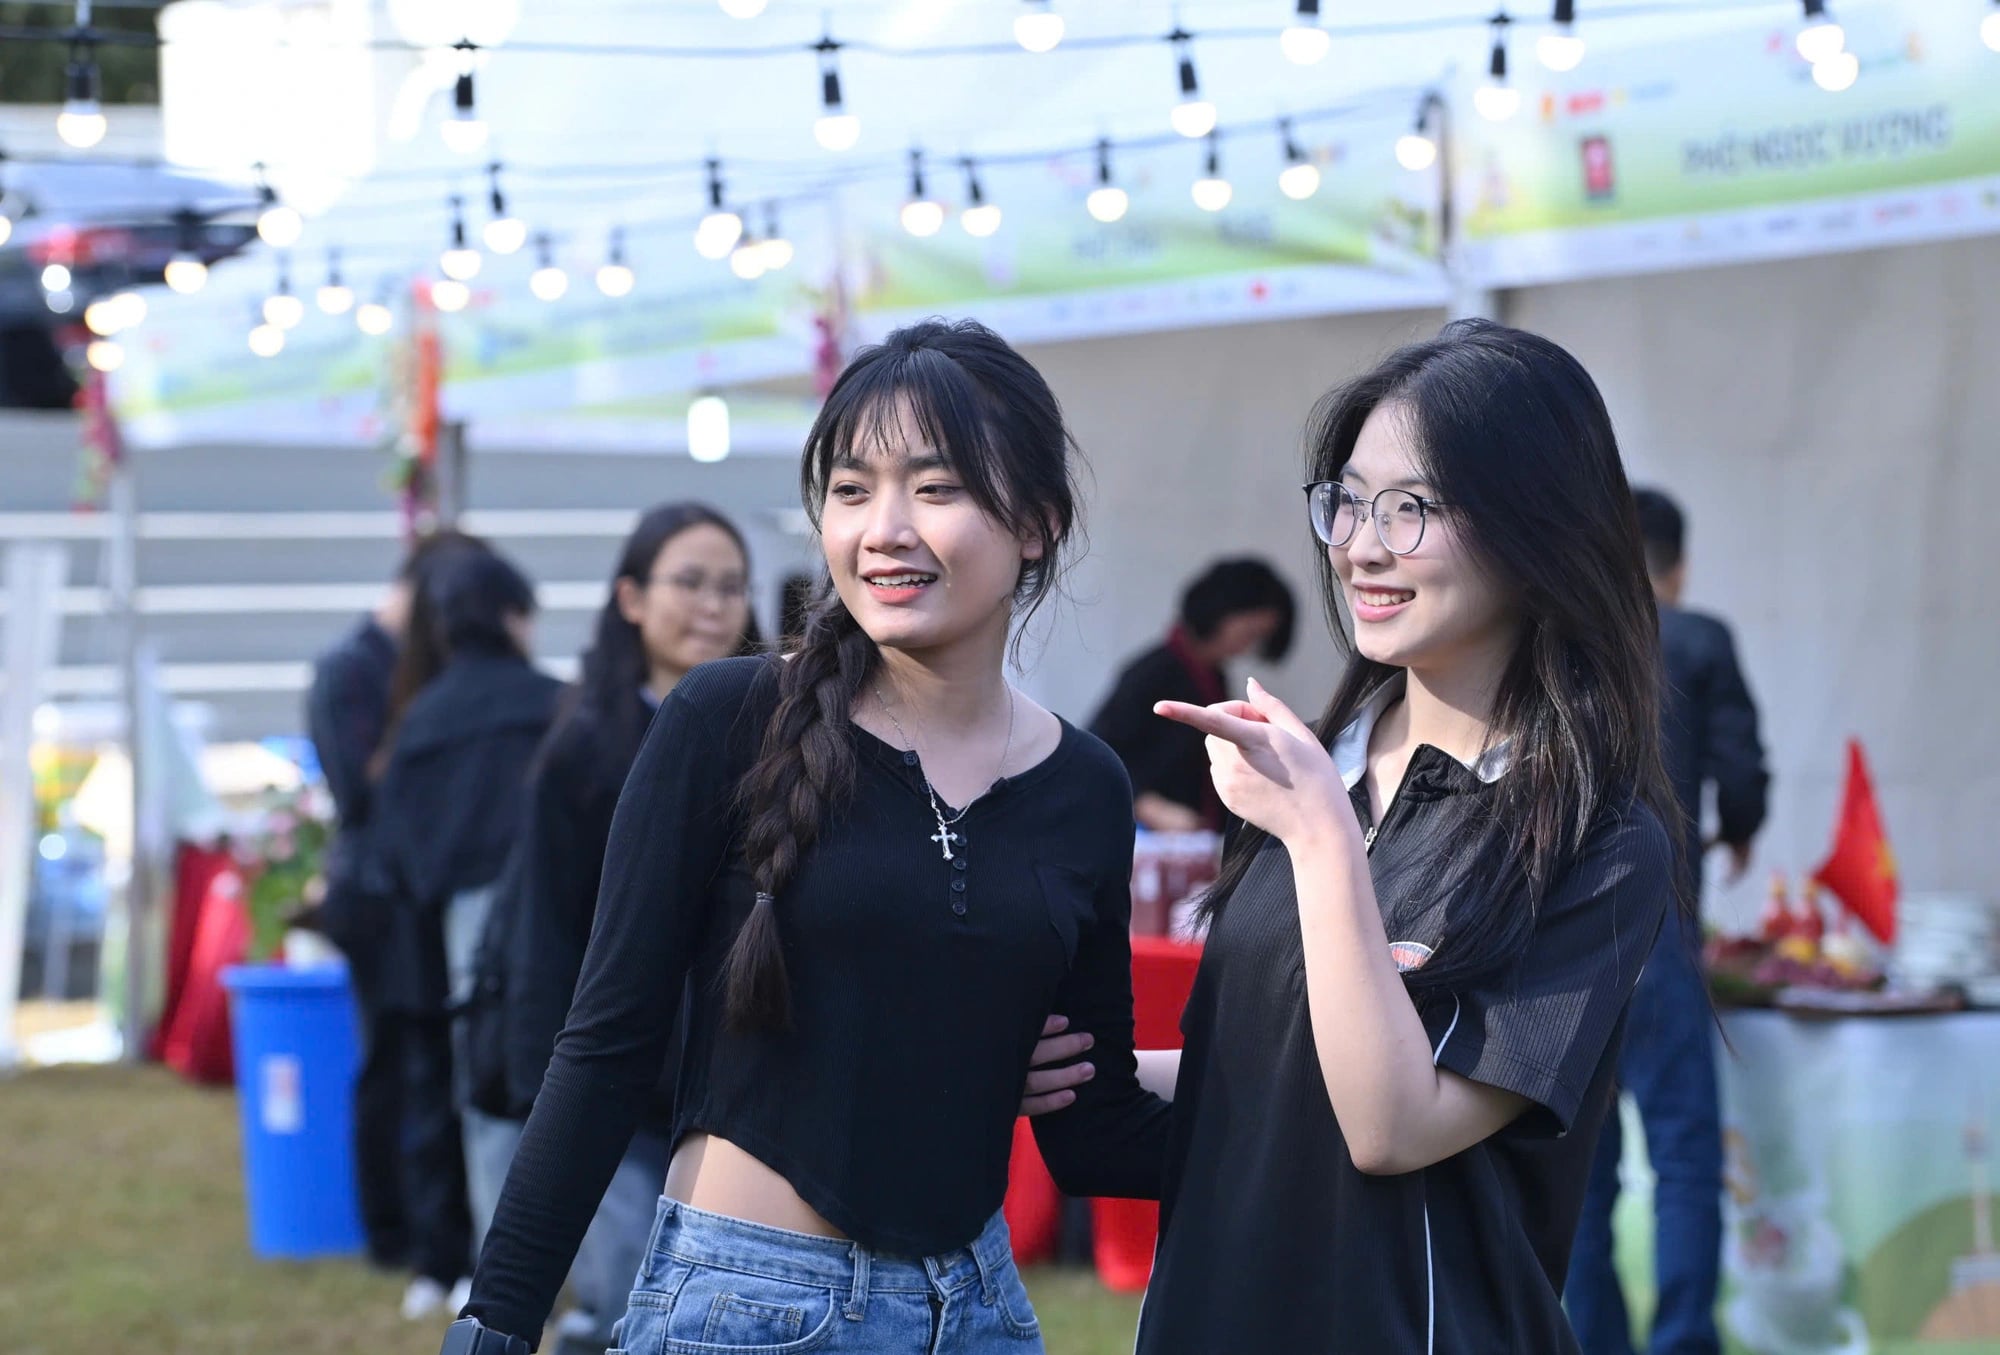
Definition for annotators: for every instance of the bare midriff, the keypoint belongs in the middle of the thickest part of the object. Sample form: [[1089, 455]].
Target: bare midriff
[[713, 1174]]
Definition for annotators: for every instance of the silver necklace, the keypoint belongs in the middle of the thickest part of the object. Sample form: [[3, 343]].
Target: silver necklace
[[944, 837]]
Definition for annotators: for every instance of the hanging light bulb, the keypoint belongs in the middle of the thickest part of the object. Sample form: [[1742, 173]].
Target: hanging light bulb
[[186, 273], [62, 303], [505, 233], [56, 278], [1212, 192], [1497, 100], [615, 278], [281, 309], [1838, 72], [6, 227], [743, 9], [1193, 116], [1417, 149], [547, 282], [837, 129], [1820, 37], [922, 216], [374, 318], [1107, 202], [101, 318], [1299, 179], [1989, 28], [278, 226], [1561, 50], [746, 261], [335, 297], [450, 295], [464, 132], [106, 355], [719, 231], [777, 249], [1040, 29], [267, 340], [128, 310], [708, 428], [460, 262], [81, 122], [1305, 42], [980, 217]]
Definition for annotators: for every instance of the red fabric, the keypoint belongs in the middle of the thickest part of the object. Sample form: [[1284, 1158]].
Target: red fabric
[[195, 869], [195, 1043], [1861, 871], [1125, 1230], [1033, 1208]]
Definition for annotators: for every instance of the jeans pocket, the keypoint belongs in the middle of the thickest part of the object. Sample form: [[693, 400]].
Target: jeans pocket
[[1017, 1314], [717, 1311]]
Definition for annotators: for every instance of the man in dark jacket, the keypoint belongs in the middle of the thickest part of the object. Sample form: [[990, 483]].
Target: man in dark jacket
[[1709, 739]]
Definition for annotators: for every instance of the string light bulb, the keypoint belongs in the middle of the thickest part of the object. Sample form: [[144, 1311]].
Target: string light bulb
[[1193, 116], [505, 233], [615, 278], [1305, 43], [1417, 149], [922, 216], [743, 9], [267, 340], [747, 260], [777, 249], [1561, 50], [461, 261], [1821, 38], [282, 310], [56, 278], [105, 355], [1040, 29], [81, 123], [980, 217], [1299, 179], [335, 297], [374, 319], [100, 318], [1989, 28], [1837, 73], [1107, 202], [708, 428], [450, 295], [1497, 100], [6, 227], [464, 132], [548, 282], [128, 310], [719, 231], [1212, 192], [837, 129], [185, 272], [278, 225]]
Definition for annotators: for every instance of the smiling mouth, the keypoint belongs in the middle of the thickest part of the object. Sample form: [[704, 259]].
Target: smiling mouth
[[1383, 597], [901, 582]]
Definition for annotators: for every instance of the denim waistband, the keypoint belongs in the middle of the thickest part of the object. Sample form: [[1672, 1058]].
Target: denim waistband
[[697, 1237]]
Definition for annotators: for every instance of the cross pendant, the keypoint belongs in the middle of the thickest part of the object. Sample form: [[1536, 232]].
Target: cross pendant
[[944, 837]]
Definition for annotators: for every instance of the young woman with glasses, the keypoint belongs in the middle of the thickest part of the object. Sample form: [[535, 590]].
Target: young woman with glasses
[[877, 867], [1401, 1041]]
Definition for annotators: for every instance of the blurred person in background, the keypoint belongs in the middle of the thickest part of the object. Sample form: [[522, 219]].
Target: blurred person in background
[[447, 812], [1234, 607], [1709, 738], [680, 598], [347, 713]]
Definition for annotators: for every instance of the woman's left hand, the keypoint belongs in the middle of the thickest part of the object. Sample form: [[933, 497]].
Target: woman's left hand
[[1269, 767]]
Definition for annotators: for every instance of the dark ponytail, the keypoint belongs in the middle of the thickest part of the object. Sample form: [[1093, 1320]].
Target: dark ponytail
[[998, 424]]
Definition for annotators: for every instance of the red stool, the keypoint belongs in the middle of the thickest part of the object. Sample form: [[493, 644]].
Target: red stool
[[1124, 1231]]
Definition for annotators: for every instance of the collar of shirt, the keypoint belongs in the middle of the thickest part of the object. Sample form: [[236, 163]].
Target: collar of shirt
[[1350, 747]]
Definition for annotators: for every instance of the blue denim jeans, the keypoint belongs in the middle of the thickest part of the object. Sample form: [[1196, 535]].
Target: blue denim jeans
[[712, 1285], [1669, 1068]]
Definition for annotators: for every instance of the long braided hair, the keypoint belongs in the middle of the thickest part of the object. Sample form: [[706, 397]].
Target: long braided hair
[[998, 425]]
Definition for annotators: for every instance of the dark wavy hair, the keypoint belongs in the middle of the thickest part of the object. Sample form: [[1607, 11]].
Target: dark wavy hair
[[1510, 430], [422, 651], [614, 668], [999, 427]]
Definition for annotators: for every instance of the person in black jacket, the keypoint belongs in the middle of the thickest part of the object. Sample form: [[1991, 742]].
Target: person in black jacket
[[679, 599], [447, 812], [1709, 728], [347, 712], [1234, 607]]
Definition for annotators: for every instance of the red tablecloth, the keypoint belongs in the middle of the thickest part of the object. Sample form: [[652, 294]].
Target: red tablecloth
[[1162, 975]]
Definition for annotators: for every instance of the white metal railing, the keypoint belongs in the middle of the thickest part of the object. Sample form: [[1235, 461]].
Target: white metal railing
[[517, 524]]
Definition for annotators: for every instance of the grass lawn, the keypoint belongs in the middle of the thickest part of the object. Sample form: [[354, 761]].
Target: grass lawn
[[122, 1229]]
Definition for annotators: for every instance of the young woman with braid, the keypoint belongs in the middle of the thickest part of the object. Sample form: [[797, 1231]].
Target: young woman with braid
[[879, 867]]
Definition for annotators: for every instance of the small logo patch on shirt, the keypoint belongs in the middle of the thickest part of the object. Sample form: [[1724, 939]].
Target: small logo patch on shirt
[[1409, 955]]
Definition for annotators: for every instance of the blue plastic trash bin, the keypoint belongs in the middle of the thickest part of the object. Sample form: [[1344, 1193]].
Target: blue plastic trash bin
[[293, 1031]]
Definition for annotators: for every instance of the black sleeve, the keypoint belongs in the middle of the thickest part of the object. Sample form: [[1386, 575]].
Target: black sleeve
[[1540, 1028], [1126, 722], [344, 714], [1112, 1140], [1732, 756], [668, 840]]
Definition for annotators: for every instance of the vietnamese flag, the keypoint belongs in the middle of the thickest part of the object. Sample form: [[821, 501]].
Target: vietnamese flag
[[1861, 871]]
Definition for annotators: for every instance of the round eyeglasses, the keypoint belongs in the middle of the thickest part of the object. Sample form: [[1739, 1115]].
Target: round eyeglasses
[[1336, 512]]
